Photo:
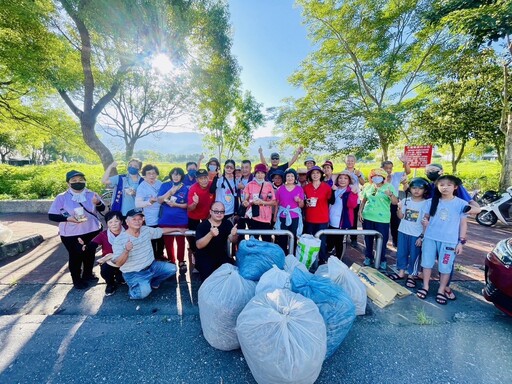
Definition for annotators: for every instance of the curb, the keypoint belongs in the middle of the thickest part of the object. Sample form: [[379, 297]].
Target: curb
[[22, 245], [25, 206]]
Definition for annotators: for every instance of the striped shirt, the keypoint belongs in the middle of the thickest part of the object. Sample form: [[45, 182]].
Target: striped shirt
[[141, 256]]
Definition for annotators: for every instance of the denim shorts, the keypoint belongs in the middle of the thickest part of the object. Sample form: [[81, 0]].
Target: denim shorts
[[445, 252]]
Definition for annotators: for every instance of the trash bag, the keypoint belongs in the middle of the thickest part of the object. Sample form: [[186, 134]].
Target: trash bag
[[334, 304], [255, 257], [221, 298], [341, 274], [283, 339], [291, 262], [323, 271], [5, 234], [273, 279], [307, 250]]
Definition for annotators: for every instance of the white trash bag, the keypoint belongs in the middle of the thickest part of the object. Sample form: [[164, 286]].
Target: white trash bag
[[221, 298], [349, 281], [273, 279], [5, 234], [283, 338], [291, 262], [307, 250]]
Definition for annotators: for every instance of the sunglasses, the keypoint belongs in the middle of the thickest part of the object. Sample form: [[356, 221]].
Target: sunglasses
[[219, 212], [229, 167], [274, 158]]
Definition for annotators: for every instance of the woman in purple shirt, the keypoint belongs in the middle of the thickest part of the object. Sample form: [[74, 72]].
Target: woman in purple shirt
[[75, 211]]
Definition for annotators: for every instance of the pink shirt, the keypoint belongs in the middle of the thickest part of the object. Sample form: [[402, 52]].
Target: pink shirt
[[286, 198], [267, 194]]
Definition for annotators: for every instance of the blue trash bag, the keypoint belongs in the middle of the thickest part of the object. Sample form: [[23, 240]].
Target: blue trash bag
[[336, 307], [255, 257]]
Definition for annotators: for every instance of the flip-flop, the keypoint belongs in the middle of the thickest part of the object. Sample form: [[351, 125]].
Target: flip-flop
[[422, 293], [441, 299], [410, 283], [394, 276], [449, 294]]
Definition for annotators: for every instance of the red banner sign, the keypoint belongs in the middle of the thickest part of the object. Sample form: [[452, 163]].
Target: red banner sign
[[418, 156]]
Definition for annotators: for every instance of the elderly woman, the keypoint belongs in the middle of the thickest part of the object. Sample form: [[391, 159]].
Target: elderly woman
[[76, 212], [173, 196], [125, 186], [375, 212]]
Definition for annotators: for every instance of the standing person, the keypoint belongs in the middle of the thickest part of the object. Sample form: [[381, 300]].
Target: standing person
[[411, 211], [75, 211], [192, 168], [125, 186], [317, 194], [328, 167], [200, 200], [146, 197], [211, 241], [259, 200], [213, 167], [225, 189], [375, 213], [358, 181], [173, 195], [274, 161], [309, 163], [445, 234], [277, 179], [133, 253], [395, 179], [302, 174], [341, 211], [289, 201], [109, 270]]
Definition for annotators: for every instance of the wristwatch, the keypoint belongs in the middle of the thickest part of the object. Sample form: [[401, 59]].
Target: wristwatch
[[462, 240]]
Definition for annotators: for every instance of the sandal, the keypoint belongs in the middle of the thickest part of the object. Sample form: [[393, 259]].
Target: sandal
[[394, 276], [441, 299], [410, 283], [183, 267], [449, 294], [422, 293]]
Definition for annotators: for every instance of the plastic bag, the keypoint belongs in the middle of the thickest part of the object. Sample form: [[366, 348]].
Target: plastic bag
[[323, 271], [334, 304], [307, 250], [5, 234], [255, 257], [283, 339], [221, 298], [349, 281], [291, 262], [273, 279]]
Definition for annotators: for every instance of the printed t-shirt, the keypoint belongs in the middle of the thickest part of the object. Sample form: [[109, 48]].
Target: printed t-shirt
[[444, 226], [202, 209], [413, 212], [377, 203], [173, 215], [224, 195]]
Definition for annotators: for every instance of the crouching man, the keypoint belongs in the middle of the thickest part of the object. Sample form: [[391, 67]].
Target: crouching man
[[134, 255]]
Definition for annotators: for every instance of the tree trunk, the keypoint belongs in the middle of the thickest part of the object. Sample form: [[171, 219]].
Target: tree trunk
[[506, 169], [87, 123], [130, 147]]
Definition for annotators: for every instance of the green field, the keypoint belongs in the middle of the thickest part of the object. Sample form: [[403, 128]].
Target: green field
[[42, 182]]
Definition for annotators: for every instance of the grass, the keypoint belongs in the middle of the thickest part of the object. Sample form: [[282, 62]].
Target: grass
[[423, 319]]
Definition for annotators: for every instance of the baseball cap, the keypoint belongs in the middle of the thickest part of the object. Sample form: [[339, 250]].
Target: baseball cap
[[201, 173], [134, 212], [274, 155], [72, 174]]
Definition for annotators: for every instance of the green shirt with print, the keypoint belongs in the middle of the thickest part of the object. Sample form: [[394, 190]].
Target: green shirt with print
[[378, 203]]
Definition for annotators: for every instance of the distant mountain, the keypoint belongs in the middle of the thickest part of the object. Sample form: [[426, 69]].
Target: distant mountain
[[187, 143]]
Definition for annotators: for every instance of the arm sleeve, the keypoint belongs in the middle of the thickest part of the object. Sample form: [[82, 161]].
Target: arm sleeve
[[58, 218], [213, 186]]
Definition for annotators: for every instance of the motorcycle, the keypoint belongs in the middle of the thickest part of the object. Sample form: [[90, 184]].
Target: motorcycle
[[497, 208]]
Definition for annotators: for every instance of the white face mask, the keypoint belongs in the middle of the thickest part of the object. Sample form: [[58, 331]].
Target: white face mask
[[377, 179]]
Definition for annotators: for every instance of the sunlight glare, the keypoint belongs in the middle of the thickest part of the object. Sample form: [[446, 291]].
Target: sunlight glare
[[162, 63]]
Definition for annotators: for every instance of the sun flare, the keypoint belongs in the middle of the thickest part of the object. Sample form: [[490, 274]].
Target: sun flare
[[162, 64]]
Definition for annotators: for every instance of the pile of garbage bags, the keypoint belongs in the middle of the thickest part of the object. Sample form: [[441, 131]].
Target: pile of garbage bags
[[286, 320]]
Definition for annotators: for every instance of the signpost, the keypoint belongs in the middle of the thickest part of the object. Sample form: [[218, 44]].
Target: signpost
[[418, 156]]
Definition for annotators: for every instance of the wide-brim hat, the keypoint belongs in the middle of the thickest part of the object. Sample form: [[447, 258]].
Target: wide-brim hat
[[315, 168], [378, 172], [260, 168], [309, 159]]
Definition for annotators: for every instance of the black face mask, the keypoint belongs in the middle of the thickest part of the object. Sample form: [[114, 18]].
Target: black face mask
[[433, 176], [77, 186]]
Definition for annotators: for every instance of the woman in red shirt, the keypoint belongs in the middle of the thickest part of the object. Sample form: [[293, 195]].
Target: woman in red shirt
[[317, 194]]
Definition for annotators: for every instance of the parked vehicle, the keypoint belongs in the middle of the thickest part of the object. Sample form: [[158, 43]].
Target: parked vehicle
[[497, 208], [498, 276]]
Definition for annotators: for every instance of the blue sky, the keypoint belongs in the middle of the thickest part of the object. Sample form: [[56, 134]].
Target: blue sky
[[269, 43]]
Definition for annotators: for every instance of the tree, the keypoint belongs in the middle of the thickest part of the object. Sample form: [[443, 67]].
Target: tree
[[485, 21], [464, 105], [146, 103], [85, 48], [371, 57]]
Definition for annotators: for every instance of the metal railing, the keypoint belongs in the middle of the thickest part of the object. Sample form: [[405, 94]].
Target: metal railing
[[188, 232], [370, 232], [276, 232]]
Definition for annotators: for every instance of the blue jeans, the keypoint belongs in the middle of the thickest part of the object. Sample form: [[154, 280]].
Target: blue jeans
[[140, 283], [407, 253], [383, 229], [311, 229]]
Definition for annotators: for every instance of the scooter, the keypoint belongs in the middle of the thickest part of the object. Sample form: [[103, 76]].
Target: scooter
[[497, 208]]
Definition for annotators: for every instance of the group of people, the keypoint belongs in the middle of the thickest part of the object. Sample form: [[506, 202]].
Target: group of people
[[215, 202]]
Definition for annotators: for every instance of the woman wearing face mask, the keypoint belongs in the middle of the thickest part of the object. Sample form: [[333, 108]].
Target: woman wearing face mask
[[375, 213], [125, 185], [259, 200], [173, 196], [76, 212], [213, 166]]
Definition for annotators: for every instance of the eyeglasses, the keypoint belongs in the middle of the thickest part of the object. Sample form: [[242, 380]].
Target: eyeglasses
[[219, 212], [274, 158], [229, 167]]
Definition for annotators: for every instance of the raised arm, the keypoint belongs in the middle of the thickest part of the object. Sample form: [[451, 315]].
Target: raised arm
[[296, 155], [106, 176]]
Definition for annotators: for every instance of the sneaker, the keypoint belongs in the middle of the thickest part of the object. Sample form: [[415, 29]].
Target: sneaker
[[183, 267], [110, 290], [155, 286], [384, 265], [195, 271], [92, 278], [367, 262], [80, 285]]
